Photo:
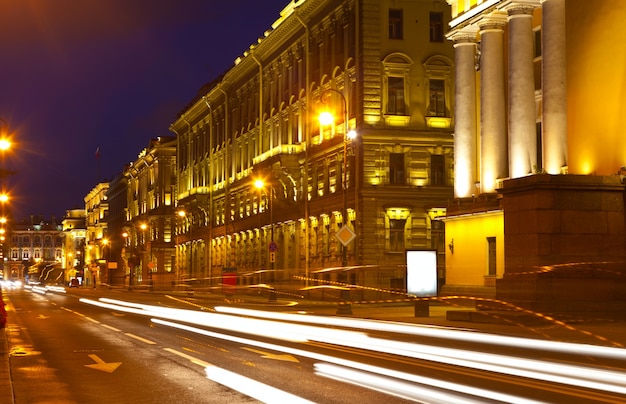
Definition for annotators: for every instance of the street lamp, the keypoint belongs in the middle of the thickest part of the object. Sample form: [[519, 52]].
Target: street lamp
[[188, 271], [272, 247], [130, 261], [326, 118], [105, 243]]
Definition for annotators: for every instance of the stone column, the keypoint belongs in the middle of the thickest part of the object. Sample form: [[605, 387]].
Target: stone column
[[522, 117], [553, 68], [465, 115], [493, 102]]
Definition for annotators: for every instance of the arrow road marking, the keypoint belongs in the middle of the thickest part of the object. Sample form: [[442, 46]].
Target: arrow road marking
[[102, 365], [278, 357]]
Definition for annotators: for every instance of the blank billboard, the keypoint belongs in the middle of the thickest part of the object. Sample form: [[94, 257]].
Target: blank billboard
[[421, 273]]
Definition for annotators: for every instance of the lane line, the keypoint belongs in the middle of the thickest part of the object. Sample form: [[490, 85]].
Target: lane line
[[137, 337]]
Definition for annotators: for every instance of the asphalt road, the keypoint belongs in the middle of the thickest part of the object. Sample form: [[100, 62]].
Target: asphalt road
[[75, 348]]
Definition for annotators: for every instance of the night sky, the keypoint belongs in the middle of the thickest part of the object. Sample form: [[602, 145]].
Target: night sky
[[77, 76]]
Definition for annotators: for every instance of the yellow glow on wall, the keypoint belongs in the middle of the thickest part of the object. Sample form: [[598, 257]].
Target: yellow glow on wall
[[398, 213], [468, 263], [438, 122], [596, 67]]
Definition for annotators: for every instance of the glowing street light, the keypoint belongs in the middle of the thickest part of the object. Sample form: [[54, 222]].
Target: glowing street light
[[326, 118]]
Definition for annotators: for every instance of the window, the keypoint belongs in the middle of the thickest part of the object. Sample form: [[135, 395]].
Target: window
[[396, 234], [436, 27], [395, 90], [395, 24], [396, 168], [537, 35], [437, 104], [491, 243], [437, 169], [438, 71], [397, 72]]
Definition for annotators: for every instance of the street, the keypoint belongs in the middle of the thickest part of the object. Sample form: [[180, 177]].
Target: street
[[84, 345]]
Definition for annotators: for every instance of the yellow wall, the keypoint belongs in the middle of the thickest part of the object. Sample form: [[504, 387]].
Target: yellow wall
[[596, 86], [468, 264]]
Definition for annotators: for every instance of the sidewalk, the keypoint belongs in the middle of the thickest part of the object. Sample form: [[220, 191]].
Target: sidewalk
[[6, 389]]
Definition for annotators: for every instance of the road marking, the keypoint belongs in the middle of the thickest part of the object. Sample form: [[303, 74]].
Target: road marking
[[102, 365], [111, 328], [190, 358], [147, 341], [278, 357], [92, 320], [242, 384]]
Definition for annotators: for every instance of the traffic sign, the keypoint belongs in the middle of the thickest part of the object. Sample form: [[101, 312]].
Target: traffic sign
[[273, 246], [345, 235]]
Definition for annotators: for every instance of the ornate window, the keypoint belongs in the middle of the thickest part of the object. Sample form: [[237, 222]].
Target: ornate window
[[396, 69], [438, 84]]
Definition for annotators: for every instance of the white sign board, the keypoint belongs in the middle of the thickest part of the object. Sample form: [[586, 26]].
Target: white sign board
[[421, 273]]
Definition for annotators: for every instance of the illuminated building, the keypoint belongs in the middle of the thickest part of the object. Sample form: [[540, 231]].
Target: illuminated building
[[35, 250], [539, 148], [75, 232], [390, 73], [148, 237], [96, 210]]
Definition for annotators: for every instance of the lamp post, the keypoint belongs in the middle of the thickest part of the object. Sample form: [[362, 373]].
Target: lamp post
[[130, 261], [272, 247], [326, 118], [188, 271], [105, 243]]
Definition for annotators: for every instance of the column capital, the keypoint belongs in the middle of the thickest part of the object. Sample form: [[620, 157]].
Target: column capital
[[465, 35], [495, 21], [521, 7]]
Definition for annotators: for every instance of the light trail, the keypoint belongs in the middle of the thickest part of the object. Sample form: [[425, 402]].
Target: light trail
[[435, 332], [578, 376], [464, 389]]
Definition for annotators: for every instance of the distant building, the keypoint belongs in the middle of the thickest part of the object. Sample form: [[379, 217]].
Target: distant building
[[75, 234], [149, 232], [96, 237], [117, 223], [36, 250]]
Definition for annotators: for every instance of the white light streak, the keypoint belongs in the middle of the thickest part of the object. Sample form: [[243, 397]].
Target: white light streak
[[436, 332], [352, 364], [578, 376]]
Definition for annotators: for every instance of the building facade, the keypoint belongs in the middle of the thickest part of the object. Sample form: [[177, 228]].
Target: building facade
[[74, 242], [539, 161], [36, 251], [96, 237], [149, 232], [329, 209]]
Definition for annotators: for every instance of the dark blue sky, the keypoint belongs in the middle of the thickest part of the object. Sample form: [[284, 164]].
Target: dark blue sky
[[76, 75]]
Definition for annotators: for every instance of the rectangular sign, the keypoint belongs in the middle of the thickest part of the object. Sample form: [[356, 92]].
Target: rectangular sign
[[421, 273]]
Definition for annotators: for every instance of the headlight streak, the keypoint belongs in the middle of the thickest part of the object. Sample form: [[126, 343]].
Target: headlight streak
[[540, 370], [250, 387], [467, 390], [394, 387], [240, 383], [578, 376], [436, 332], [272, 329]]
